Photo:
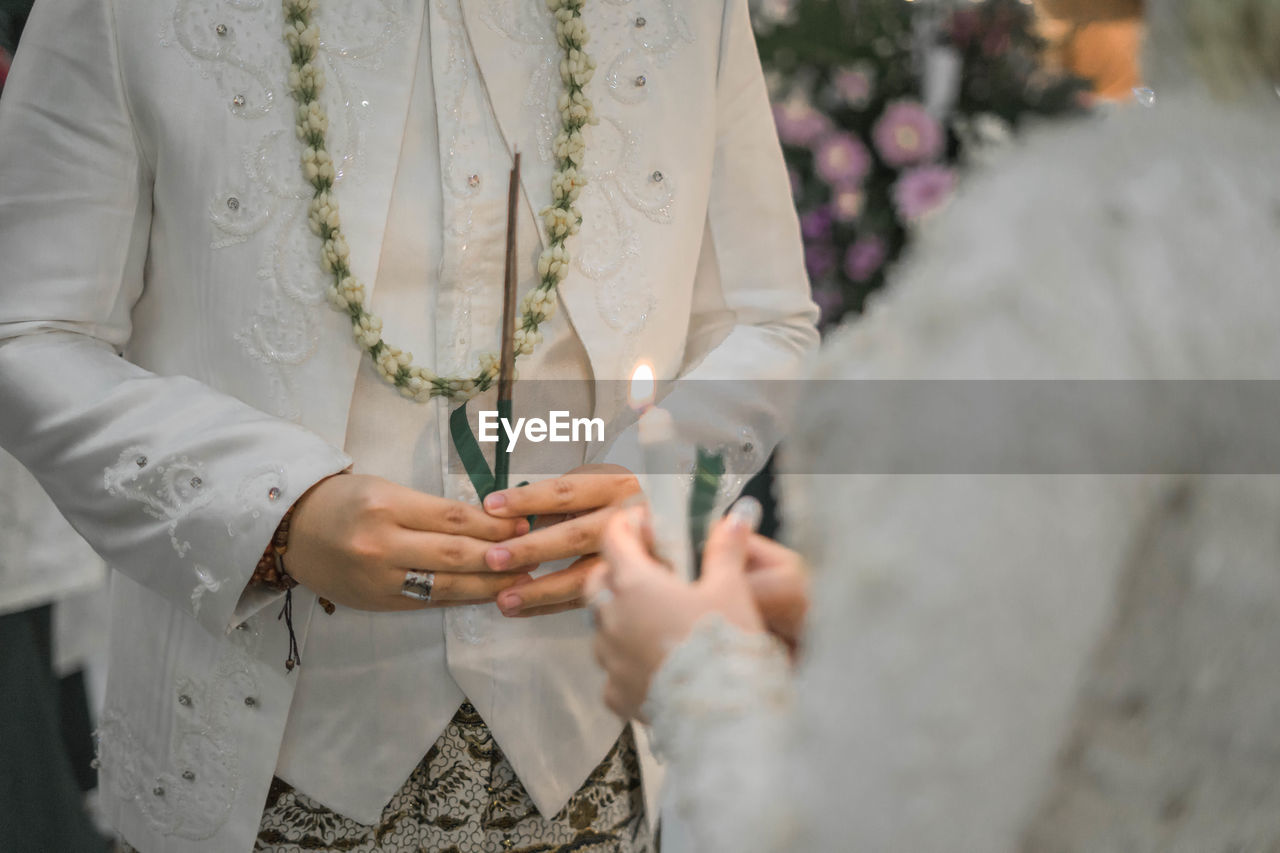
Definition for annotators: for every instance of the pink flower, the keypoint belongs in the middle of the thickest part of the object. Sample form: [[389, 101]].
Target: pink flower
[[854, 85], [922, 191], [798, 122], [865, 257], [842, 160], [906, 134]]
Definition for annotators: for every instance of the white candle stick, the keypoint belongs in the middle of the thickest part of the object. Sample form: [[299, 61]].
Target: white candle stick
[[665, 487]]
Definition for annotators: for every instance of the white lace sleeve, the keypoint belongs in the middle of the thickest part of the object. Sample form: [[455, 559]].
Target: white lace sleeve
[[720, 706]]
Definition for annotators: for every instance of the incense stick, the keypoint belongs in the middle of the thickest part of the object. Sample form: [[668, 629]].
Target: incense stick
[[507, 358]]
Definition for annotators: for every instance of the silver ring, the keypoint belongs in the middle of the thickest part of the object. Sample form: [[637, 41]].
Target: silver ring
[[418, 585]]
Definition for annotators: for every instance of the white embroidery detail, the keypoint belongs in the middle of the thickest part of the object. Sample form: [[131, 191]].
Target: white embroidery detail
[[264, 491], [168, 489], [619, 174], [283, 331], [207, 583], [191, 796]]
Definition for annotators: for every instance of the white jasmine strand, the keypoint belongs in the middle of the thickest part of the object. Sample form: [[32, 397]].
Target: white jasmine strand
[[562, 220]]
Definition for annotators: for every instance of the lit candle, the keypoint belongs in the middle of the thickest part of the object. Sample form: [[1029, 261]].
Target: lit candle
[[665, 487]]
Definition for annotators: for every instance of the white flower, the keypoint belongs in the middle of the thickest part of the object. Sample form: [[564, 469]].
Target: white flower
[[336, 253], [352, 290], [317, 166], [323, 212], [312, 121]]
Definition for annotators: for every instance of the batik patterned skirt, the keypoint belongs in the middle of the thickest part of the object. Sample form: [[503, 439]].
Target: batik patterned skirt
[[464, 797]]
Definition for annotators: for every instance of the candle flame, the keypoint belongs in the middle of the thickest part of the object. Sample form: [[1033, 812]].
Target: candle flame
[[643, 387]]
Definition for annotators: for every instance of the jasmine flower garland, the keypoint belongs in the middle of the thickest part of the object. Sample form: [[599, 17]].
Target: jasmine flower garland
[[562, 219]]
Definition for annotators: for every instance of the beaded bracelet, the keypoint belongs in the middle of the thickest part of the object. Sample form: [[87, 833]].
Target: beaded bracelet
[[270, 572]]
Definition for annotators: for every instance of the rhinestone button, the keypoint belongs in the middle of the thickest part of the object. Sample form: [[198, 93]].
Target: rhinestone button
[[473, 181], [141, 462], [273, 494], [238, 100], [221, 29], [250, 701], [95, 764], [508, 842], [158, 791], [640, 81], [189, 775], [657, 177], [196, 482], [640, 22], [233, 203], [184, 699]]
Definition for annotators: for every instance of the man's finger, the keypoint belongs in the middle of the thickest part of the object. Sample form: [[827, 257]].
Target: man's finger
[[420, 511], [572, 538], [556, 588], [551, 610], [436, 552], [570, 493]]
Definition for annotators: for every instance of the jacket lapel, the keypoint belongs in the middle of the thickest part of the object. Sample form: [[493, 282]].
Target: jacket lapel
[[519, 61], [379, 94]]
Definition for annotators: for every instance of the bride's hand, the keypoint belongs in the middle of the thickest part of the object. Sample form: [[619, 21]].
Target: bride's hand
[[779, 581], [643, 611]]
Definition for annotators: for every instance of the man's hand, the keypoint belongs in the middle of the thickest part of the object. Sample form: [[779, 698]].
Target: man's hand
[[353, 538], [572, 513]]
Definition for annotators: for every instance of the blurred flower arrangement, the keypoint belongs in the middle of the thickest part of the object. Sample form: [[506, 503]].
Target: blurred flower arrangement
[[879, 103]]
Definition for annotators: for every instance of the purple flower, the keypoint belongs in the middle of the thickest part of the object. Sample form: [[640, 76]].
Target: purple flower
[[922, 191], [819, 259], [865, 257], [798, 122], [816, 224], [906, 134], [842, 160], [855, 85]]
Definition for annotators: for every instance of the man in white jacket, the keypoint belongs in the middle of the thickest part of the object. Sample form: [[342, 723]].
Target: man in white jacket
[[153, 206]]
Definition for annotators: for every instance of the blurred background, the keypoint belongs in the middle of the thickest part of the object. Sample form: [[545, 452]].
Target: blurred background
[[883, 105]]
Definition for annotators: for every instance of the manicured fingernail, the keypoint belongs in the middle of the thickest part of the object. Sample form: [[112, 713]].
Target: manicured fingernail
[[746, 514], [510, 603], [498, 558], [497, 500]]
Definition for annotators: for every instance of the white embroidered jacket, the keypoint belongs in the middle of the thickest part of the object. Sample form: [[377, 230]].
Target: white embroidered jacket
[[171, 372]]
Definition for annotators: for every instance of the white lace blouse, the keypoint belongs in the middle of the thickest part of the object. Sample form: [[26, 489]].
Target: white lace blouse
[[996, 660]]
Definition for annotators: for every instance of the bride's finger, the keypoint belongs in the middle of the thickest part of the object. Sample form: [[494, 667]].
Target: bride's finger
[[725, 555], [623, 547]]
